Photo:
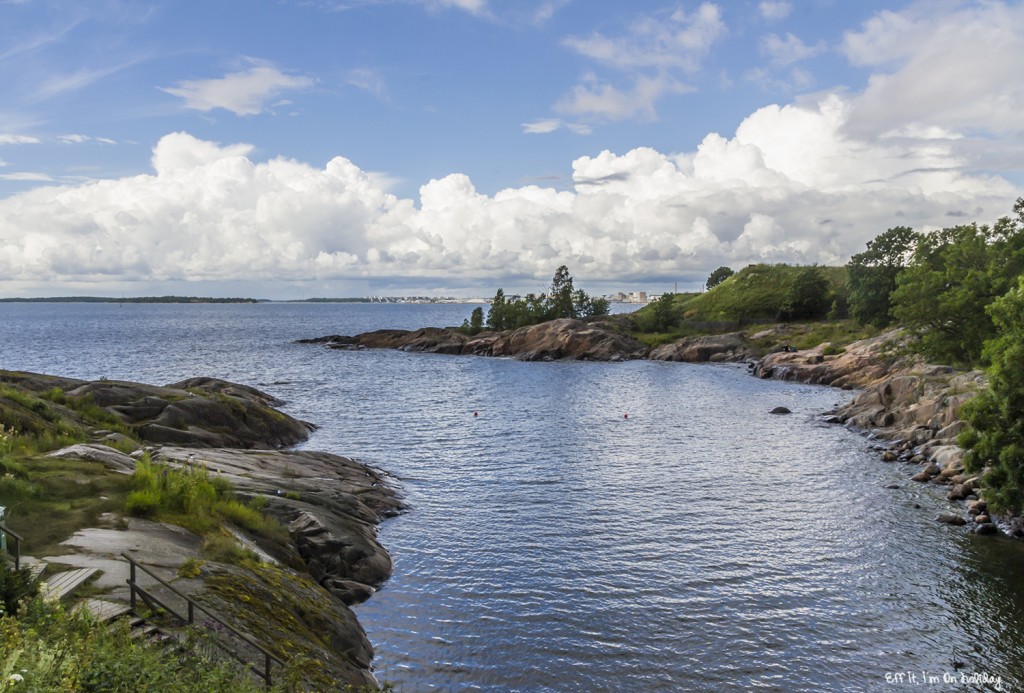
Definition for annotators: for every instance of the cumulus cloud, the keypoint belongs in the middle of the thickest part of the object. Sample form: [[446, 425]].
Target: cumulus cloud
[[791, 185], [243, 93], [955, 70]]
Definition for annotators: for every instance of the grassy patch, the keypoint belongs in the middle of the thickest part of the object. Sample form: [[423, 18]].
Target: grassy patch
[[193, 498], [59, 497]]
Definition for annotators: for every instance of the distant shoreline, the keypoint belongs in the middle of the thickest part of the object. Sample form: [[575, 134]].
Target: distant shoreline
[[139, 299]]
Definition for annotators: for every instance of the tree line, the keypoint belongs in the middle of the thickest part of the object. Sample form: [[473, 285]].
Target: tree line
[[563, 300]]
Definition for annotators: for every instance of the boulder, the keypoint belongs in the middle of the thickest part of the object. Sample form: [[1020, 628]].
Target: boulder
[[950, 519], [723, 347]]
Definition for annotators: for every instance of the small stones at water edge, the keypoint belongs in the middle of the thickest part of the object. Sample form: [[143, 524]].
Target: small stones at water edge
[[780, 410]]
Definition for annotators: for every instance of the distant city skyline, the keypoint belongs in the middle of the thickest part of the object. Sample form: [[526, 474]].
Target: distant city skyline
[[303, 148]]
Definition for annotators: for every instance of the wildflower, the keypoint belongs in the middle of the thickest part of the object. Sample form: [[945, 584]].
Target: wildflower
[[15, 678]]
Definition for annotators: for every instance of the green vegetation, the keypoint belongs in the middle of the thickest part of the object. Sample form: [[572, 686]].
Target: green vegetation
[[562, 301], [753, 299], [47, 649], [717, 277], [48, 498], [192, 498], [995, 437], [475, 324], [872, 274], [953, 275]]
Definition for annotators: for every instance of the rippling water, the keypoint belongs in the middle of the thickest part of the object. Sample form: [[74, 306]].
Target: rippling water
[[555, 544]]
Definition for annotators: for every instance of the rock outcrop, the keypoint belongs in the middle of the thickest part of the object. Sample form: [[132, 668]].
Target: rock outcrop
[[294, 600], [549, 341], [732, 346], [199, 412]]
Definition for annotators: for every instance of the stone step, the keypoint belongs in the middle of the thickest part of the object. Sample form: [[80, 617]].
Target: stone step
[[63, 584], [102, 609]]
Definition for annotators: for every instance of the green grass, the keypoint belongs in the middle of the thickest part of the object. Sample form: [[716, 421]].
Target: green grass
[[58, 497], [194, 499]]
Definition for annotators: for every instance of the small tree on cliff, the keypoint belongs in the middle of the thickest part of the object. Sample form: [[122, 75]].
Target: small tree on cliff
[[718, 276], [475, 324]]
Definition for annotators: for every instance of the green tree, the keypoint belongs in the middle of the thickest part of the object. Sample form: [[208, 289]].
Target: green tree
[[498, 315], [954, 274], [564, 301], [561, 303], [809, 297], [475, 324], [872, 274], [663, 314], [718, 276], [994, 439]]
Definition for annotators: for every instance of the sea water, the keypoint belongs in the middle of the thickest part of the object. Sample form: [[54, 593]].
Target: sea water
[[594, 526]]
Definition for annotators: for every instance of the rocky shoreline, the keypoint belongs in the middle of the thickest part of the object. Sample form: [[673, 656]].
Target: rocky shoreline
[[296, 600], [912, 405]]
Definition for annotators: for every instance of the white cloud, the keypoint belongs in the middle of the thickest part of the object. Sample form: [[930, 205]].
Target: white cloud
[[676, 42], [653, 53], [242, 93], [548, 125], [790, 186], [774, 11], [82, 139], [26, 176], [7, 138], [477, 7], [958, 70], [546, 10], [604, 101], [369, 80], [783, 52], [540, 127]]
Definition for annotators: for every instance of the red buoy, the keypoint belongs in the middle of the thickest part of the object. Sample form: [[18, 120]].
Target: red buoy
[[625, 416], [475, 414]]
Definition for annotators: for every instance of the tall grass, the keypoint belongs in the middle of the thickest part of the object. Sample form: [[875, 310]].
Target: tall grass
[[193, 498]]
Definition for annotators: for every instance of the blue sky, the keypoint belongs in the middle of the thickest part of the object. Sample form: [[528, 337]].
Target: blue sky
[[343, 147]]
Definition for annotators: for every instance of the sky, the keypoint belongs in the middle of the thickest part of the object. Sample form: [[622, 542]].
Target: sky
[[298, 148]]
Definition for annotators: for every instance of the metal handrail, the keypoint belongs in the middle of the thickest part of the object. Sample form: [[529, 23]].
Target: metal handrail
[[17, 544], [268, 658]]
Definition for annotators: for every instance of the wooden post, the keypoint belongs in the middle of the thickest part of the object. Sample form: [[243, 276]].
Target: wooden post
[[191, 616], [266, 668], [131, 584], [17, 553]]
